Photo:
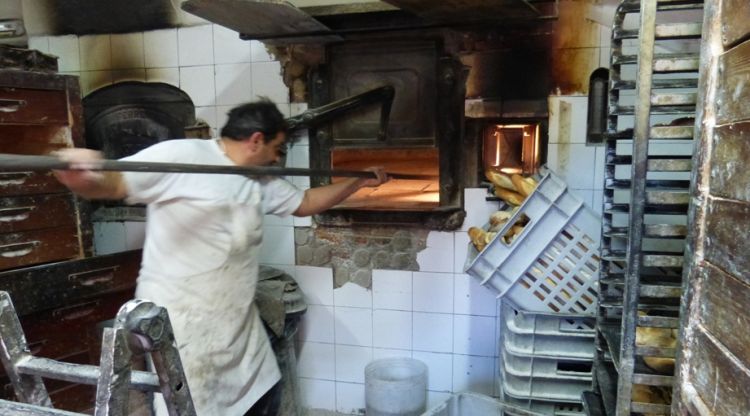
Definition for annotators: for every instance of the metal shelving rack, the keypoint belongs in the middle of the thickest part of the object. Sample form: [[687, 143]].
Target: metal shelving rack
[[652, 98]]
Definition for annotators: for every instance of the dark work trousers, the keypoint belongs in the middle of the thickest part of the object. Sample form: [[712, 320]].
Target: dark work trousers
[[269, 404]]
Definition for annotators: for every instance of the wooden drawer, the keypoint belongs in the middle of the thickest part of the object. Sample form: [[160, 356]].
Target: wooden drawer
[[29, 183], [30, 106], [38, 246], [36, 212], [64, 283]]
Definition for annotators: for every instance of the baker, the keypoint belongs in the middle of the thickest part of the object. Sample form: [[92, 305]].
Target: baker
[[200, 257]]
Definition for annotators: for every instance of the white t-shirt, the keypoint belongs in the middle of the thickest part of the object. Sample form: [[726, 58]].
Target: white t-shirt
[[200, 261]]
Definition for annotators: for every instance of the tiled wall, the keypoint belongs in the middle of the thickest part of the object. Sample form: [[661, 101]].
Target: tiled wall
[[437, 315], [209, 62]]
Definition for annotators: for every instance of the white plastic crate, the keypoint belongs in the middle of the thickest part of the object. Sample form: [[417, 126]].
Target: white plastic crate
[[540, 388], [522, 341], [474, 404], [551, 408], [544, 367], [523, 322], [553, 265]]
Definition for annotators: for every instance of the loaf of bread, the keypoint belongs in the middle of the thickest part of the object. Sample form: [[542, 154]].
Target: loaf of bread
[[498, 219], [500, 179], [480, 238], [510, 197], [513, 233], [651, 394], [524, 186], [661, 338]]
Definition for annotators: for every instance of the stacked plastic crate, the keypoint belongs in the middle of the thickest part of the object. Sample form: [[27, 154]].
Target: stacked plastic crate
[[547, 281]]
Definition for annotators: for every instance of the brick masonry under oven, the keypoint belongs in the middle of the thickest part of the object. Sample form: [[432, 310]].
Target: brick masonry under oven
[[354, 252]]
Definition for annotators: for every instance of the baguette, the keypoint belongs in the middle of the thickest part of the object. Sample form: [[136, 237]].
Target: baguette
[[523, 186], [500, 180], [480, 238], [512, 198]]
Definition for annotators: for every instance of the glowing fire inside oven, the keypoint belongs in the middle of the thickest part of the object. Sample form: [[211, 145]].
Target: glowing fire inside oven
[[397, 194]]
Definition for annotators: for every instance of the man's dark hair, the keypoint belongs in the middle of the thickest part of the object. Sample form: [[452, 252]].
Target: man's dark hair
[[260, 116]]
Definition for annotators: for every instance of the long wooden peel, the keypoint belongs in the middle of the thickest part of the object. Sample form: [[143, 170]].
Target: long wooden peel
[[16, 163]]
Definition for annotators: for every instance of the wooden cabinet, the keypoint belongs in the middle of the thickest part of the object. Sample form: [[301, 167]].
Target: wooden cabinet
[[62, 293], [40, 221]]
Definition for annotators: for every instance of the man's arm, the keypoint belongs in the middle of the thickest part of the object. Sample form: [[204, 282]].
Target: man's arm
[[317, 200], [86, 183]]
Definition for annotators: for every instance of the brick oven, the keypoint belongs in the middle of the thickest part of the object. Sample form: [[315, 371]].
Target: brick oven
[[423, 135]]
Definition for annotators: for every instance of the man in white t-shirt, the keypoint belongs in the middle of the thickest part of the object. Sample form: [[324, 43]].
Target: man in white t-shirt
[[200, 258]]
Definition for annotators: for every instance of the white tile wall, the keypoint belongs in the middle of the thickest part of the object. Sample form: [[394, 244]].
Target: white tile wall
[[127, 51], [93, 80], [169, 76], [353, 295], [160, 49], [198, 83], [353, 326], [317, 360], [438, 257], [316, 284], [433, 292], [318, 394], [391, 329], [229, 48], [351, 362], [472, 373], [96, 52], [276, 241], [317, 324], [132, 74], [66, 49], [267, 82], [40, 43], [433, 332], [195, 45], [210, 63], [350, 398], [471, 298], [109, 237], [392, 289], [233, 83], [439, 370], [474, 335]]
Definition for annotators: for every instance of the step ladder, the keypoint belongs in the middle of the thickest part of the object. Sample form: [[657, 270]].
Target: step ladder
[[652, 99], [140, 328]]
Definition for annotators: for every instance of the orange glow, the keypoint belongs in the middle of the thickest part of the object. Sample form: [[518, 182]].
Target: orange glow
[[511, 148]]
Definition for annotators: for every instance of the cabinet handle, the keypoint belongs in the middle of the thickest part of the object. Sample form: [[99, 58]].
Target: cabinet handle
[[92, 277], [14, 178], [18, 249], [15, 214], [75, 311], [11, 106]]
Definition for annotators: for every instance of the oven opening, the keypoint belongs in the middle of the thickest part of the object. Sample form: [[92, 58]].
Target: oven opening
[[511, 148], [397, 194]]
